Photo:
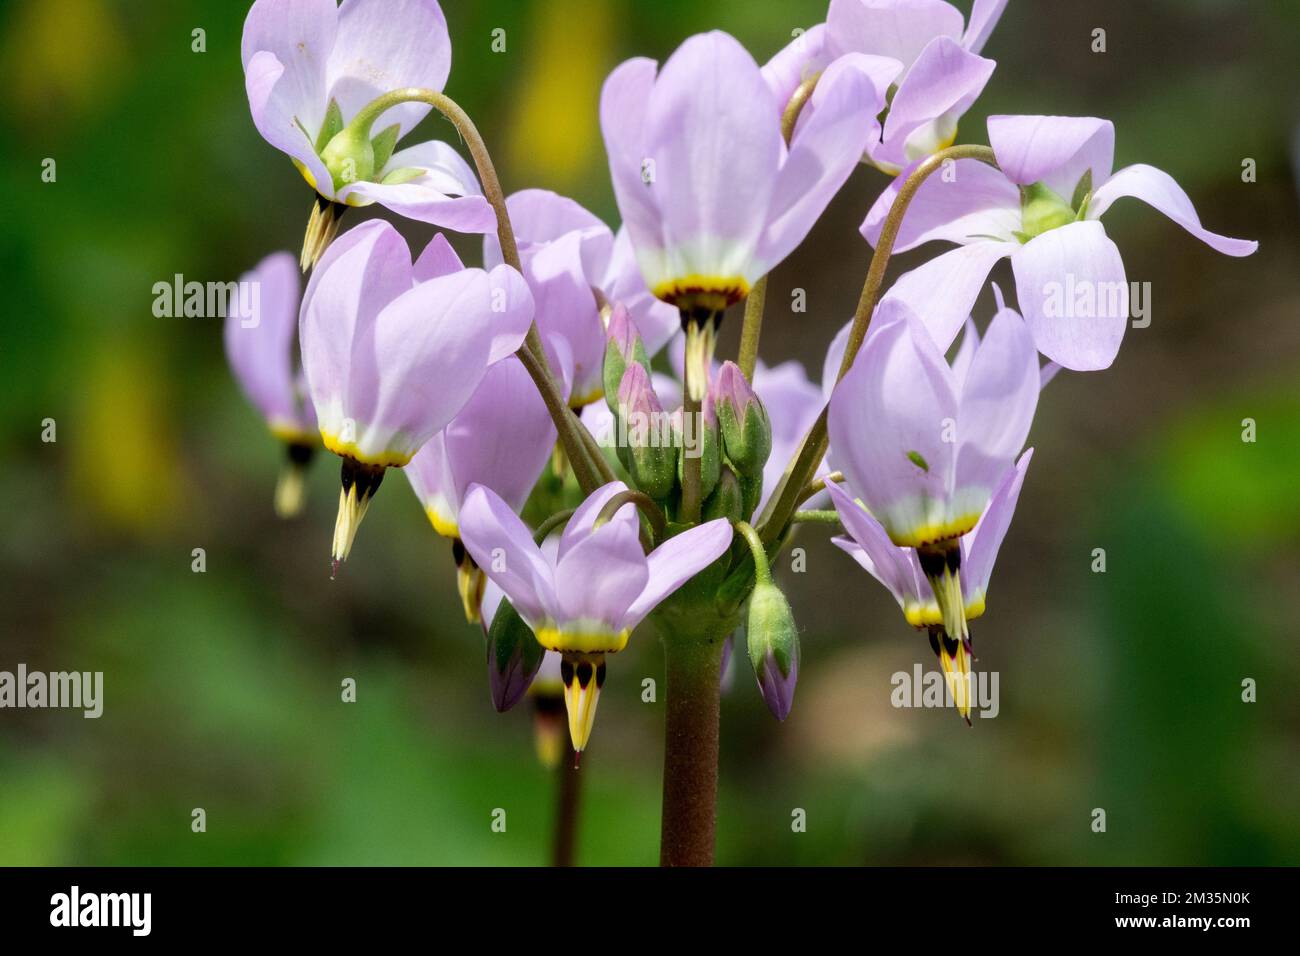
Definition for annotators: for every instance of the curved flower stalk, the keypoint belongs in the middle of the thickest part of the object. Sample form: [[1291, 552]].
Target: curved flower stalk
[[924, 445], [568, 254], [584, 602], [392, 351], [709, 193], [1042, 209], [260, 337], [940, 72], [310, 68]]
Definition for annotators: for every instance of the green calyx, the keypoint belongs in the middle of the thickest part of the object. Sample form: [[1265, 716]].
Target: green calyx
[[746, 436], [771, 628], [349, 152], [1043, 209]]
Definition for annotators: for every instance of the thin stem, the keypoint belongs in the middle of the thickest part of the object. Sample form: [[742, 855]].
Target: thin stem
[[531, 353], [813, 487], [557, 520], [568, 803], [603, 470], [781, 506], [694, 671], [762, 572], [815, 517], [752, 329], [658, 523]]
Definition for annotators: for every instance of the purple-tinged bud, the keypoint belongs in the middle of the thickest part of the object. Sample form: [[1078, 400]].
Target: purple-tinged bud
[[742, 420], [773, 647], [624, 348], [646, 431], [513, 657]]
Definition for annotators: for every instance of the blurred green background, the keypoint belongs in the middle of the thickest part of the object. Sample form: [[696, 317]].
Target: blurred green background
[[1119, 690]]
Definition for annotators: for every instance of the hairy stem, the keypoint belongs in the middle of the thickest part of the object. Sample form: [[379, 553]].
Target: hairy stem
[[694, 671], [781, 506], [658, 523], [691, 464]]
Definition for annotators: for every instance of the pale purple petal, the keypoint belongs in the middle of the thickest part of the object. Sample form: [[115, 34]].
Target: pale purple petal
[[259, 336], [624, 100], [299, 35], [271, 100], [938, 89], [943, 290], [1158, 189], [889, 425], [580, 524], [826, 148], [656, 321], [432, 346], [884, 560], [445, 194], [386, 45], [437, 259], [986, 539], [984, 16], [1072, 290], [968, 201], [600, 575], [361, 272], [1056, 150], [566, 308], [803, 57], [895, 28], [675, 562], [502, 546], [998, 400], [970, 340], [712, 133]]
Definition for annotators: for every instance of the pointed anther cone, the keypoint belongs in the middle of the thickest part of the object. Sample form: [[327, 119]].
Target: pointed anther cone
[[583, 676], [941, 563], [360, 482], [322, 227], [955, 661], [471, 582], [701, 327]]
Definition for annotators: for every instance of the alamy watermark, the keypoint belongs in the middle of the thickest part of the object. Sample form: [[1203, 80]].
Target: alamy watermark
[[921, 688], [180, 299], [75, 690]]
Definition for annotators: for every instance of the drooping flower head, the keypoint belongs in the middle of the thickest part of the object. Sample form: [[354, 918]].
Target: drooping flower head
[[940, 72], [392, 351], [584, 601], [710, 194], [569, 256], [312, 66], [924, 446], [261, 335], [1042, 208]]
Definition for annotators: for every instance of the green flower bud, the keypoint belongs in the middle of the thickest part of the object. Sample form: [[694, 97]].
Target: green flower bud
[[773, 646], [623, 346], [727, 500], [646, 444], [513, 656], [742, 420]]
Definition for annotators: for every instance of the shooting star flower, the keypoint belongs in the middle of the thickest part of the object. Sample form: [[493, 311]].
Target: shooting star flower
[[261, 338], [392, 351], [924, 446], [311, 67], [584, 601], [710, 194], [940, 72], [1042, 208]]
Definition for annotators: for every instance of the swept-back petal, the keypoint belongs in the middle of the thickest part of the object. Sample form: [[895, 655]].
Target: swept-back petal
[[826, 148], [386, 45], [890, 426], [599, 576], [984, 16], [987, 537], [580, 524], [943, 290], [259, 337], [624, 100], [444, 191], [1071, 288], [1056, 150], [300, 35], [802, 58], [900, 28], [273, 101], [971, 202], [501, 544], [884, 560], [675, 562], [1157, 188]]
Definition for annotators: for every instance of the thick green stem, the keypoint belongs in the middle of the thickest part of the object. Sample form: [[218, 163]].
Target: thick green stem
[[694, 672], [531, 353], [781, 506]]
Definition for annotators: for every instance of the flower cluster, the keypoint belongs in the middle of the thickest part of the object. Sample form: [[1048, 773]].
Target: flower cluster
[[571, 378]]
